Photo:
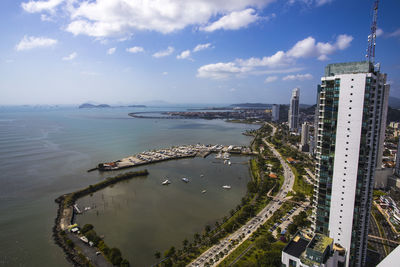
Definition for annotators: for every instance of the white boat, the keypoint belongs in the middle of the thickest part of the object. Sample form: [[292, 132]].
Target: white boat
[[225, 161], [219, 155], [226, 187], [166, 182], [229, 163], [226, 155], [201, 175], [204, 191], [186, 180]]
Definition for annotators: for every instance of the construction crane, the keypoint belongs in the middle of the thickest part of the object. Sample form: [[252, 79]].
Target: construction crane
[[372, 37]]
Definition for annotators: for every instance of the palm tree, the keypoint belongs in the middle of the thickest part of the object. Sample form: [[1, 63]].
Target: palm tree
[[157, 255]]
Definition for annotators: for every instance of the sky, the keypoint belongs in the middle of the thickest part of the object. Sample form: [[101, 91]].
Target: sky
[[192, 51]]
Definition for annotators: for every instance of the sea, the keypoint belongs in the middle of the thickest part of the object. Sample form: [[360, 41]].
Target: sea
[[46, 151]]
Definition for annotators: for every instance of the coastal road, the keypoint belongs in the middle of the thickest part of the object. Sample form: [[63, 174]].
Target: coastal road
[[213, 255]]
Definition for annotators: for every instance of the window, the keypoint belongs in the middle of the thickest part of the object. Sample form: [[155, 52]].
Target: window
[[351, 86], [351, 100], [351, 93]]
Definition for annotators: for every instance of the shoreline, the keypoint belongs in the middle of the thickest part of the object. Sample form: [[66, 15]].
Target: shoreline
[[66, 213]]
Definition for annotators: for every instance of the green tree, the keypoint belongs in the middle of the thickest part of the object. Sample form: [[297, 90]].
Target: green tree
[[86, 228], [157, 255]]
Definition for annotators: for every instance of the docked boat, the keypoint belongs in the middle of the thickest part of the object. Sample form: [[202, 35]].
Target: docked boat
[[226, 187], [219, 155], [226, 155], [229, 163], [204, 191], [166, 182], [186, 180]]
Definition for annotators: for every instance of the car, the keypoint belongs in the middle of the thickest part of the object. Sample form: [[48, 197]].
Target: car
[[248, 231]]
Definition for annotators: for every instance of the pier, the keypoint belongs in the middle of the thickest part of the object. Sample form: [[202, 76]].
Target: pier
[[177, 152]]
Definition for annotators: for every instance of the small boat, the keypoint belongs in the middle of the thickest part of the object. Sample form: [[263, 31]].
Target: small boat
[[229, 163], [204, 191], [226, 187], [87, 208], [186, 180], [166, 182], [201, 175], [225, 161]]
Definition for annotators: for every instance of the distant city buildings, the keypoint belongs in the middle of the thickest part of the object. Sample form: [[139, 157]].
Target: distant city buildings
[[304, 143], [293, 115], [351, 109], [275, 112]]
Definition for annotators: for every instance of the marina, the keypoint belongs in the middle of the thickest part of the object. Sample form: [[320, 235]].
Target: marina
[[176, 152]]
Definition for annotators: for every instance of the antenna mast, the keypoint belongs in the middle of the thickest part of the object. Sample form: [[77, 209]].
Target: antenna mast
[[372, 37]]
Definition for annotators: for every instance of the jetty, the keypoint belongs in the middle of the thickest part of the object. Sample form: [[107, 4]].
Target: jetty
[[175, 152]]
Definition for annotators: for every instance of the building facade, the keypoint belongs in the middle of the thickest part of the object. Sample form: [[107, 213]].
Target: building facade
[[293, 116], [275, 112], [350, 110], [305, 136]]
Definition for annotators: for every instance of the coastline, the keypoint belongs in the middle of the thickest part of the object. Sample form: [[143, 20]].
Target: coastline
[[65, 215]]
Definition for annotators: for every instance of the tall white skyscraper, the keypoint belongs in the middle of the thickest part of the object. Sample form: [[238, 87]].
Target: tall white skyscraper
[[293, 118], [304, 141], [275, 112], [351, 102]]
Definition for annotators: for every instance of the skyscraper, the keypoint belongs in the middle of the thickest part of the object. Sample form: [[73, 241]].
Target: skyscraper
[[293, 117], [275, 112], [304, 143], [397, 167], [350, 117]]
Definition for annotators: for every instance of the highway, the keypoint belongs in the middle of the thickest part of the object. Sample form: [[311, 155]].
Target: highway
[[212, 256]]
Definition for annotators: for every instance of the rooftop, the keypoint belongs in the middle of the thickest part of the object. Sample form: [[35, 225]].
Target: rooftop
[[320, 243], [348, 67], [297, 245]]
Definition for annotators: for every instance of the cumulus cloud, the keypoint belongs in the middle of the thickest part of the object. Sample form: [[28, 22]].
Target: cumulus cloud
[[233, 21], [165, 73], [164, 53], [311, 2], [200, 47], [184, 55], [120, 18], [40, 6], [70, 57], [271, 79], [111, 50], [135, 49], [307, 48], [31, 42], [298, 77]]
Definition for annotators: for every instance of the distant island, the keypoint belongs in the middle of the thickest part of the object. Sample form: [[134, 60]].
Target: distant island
[[88, 105]]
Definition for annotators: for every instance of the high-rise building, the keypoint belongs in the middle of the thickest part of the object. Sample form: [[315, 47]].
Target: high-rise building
[[350, 118], [275, 112], [293, 116], [304, 143], [397, 167]]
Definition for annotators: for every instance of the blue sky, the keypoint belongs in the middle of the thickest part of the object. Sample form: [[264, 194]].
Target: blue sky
[[192, 51]]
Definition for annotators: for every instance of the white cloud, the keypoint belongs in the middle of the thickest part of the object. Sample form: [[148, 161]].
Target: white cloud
[[164, 53], [135, 49], [233, 21], [271, 79], [165, 73], [311, 2], [111, 50], [322, 2], [120, 18], [396, 33], [200, 47], [278, 62], [184, 55], [31, 42], [40, 6], [298, 77], [70, 57], [379, 32], [309, 48]]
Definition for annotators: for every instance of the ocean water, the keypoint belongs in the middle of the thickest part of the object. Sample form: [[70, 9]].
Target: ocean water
[[45, 152]]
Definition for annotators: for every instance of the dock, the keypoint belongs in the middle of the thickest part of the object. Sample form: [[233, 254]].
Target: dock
[[175, 152]]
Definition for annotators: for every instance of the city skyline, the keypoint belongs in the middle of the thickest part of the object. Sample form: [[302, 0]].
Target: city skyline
[[69, 52]]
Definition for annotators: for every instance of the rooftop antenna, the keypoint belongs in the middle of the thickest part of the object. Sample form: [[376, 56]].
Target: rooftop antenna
[[372, 37]]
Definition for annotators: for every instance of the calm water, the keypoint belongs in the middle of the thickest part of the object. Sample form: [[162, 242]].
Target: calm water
[[45, 153]]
